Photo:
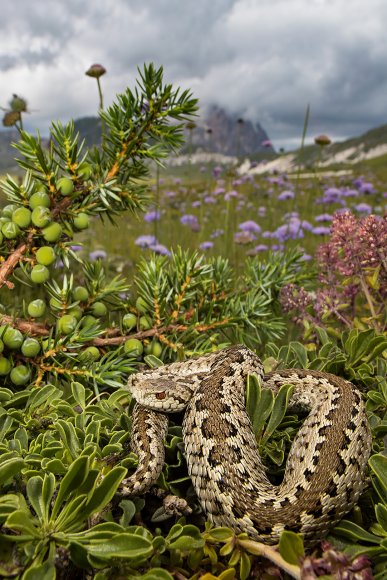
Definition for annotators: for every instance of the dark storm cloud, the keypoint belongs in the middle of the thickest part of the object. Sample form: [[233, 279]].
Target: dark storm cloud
[[262, 59]]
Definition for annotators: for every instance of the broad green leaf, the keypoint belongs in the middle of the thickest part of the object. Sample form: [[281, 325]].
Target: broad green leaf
[[253, 395], [381, 515], [69, 437], [221, 534], [157, 574], [354, 532], [378, 464], [20, 520], [152, 361], [186, 543], [8, 504], [262, 411], [21, 435], [291, 547], [45, 571], [101, 495], [5, 426], [73, 479], [301, 353], [244, 566], [229, 574], [279, 409], [71, 517], [34, 493], [42, 395], [129, 509], [79, 393], [125, 546], [10, 468]]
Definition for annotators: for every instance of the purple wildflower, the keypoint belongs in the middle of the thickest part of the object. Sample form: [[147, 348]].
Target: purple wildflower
[[349, 192], [367, 188], [160, 249], [98, 255], [261, 248], [152, 216], [230, 194], [219, 190], [196, 203], [206, 245], [363, 208], [331, 195], [209, 199], [216, 171], [170, 194], [321, 231], [287, 194], [189, 220], [217, 233], [324, 217], [250, 226], [76, 247], [290, 231], [306, 225], [145, 241]]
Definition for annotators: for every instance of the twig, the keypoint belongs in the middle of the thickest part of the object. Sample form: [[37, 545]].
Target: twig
[[10, 264], [31, 328], [269, 552]]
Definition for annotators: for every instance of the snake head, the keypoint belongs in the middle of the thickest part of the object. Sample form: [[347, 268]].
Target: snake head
[[160, 394]]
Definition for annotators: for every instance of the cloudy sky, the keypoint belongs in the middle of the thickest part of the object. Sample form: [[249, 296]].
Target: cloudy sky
[[262, 59]]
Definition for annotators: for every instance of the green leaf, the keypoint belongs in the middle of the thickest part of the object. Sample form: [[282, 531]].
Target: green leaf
[[8, 504], [79, 393], [40, 492], [73, 479], [45, 571], [152, 361], [20, 520], [279, 409], [129, 509], [10, 468], [354, 532], [291, 547], [101, 495], [262, 411], [244, 566], [381, 515], [125, 546], [253, 395], [157, 574], [69, 437], [42, 395], [221, 534], [378, 464]]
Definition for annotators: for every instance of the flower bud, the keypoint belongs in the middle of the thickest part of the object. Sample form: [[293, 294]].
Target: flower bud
[[322, 140], [96, 71]]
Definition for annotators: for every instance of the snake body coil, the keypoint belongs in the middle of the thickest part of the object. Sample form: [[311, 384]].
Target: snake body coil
[[324, 474]]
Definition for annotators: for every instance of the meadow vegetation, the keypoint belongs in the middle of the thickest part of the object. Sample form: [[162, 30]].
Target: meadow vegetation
[[110, 262]]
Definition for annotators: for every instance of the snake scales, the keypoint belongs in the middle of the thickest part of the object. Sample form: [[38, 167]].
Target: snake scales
[[324, 474]]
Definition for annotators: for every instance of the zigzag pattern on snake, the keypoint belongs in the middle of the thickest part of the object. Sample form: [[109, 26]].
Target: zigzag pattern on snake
[[324, 473]]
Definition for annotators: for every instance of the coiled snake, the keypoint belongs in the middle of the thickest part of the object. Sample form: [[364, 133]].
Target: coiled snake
[[324, 473]]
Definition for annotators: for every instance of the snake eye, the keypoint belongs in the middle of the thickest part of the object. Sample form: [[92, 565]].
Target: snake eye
[[161, 395]]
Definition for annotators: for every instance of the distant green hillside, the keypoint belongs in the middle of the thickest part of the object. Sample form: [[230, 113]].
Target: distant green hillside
[[364, 143]]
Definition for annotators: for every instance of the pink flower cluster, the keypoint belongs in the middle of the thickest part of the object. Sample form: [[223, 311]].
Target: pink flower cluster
[[352, 268], [336, 565]]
